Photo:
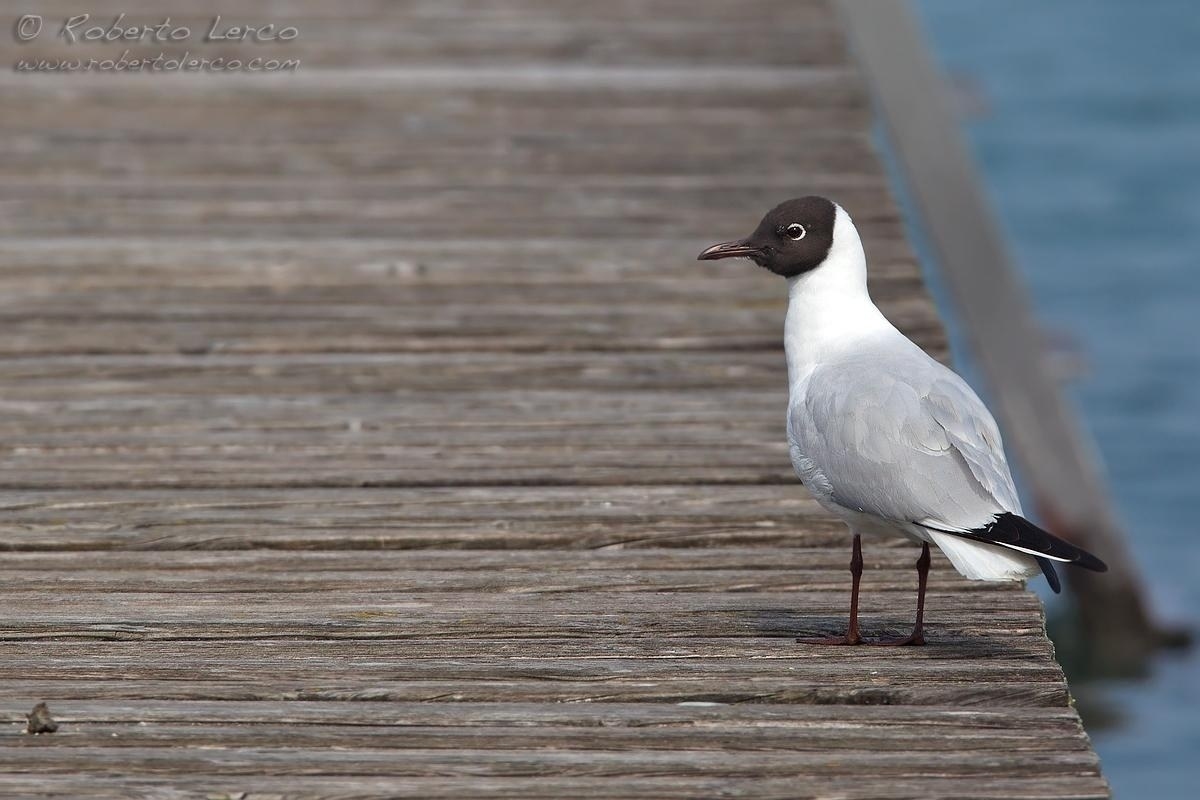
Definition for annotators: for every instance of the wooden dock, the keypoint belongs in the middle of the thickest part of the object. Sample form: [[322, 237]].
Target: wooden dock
[[370, 430]]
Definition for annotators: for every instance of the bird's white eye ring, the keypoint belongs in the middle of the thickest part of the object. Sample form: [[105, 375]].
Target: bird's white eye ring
[[795, 231]]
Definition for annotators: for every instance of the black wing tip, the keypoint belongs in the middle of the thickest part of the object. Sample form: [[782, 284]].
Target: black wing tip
[[1046, 542], [1015, 532], [1051, 574], [1012, 530]]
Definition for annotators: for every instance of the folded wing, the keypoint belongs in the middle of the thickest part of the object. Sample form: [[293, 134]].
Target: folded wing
[[910, 442], [906, 441]]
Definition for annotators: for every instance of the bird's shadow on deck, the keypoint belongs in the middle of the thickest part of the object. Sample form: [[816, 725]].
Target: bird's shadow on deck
[[943, 641]]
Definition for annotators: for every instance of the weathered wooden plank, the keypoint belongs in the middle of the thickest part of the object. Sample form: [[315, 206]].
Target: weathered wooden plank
[[830, 99], [1032, 697], [999, 786], [932, 722], [325, 429], [41, 289], [487, 503], [811, 570], [521, 149], [403, 328], [375, 620], [334, 732], [88, 263], [264, 209], [52, 296], [286, 374], [226, 374], [867, 721], [434, 762], [1012, 654], [836, 84], [1029, 697], [233, 466], [470, 517], [101, 473], [416, 612], [808, 558], [820, 571], [561, 414]]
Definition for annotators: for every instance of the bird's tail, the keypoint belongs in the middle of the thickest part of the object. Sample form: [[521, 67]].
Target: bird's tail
[[1010, 547], [981, 562]]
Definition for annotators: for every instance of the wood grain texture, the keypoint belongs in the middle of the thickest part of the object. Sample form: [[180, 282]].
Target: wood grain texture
[[370, 430]]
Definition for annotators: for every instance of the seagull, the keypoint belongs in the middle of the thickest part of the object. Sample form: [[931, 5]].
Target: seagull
[[884, 437]]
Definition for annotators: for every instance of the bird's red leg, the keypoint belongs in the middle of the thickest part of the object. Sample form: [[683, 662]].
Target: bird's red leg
[[917, 637], [856, 570]]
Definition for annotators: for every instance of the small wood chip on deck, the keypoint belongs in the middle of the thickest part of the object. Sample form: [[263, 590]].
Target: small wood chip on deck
[[370, 430]]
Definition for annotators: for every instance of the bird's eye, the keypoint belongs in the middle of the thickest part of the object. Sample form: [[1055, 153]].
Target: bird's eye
[[795, 231]]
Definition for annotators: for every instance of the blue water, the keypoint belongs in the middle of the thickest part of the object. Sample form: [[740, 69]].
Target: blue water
[[1086, 129]]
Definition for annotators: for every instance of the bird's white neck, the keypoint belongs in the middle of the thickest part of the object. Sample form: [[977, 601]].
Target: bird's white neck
[[829, 309]]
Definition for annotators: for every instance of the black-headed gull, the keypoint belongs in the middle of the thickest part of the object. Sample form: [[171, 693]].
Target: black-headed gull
[[885, 437]]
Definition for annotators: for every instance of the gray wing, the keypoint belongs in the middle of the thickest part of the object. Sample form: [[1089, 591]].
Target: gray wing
[[904, 439]]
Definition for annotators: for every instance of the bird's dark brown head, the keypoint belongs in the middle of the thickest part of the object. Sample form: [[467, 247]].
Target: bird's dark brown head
[[793, 238]]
